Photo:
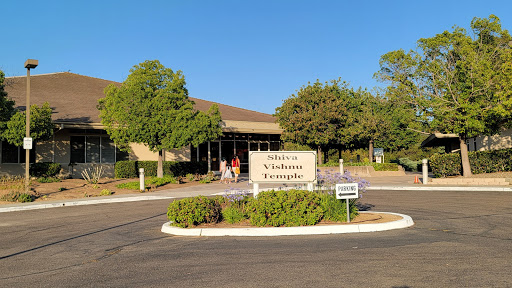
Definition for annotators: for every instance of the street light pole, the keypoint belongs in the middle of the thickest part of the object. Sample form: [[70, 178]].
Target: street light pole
[[29, 64]]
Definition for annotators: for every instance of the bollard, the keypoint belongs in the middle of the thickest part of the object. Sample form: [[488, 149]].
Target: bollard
[[425, 171], [142, 182], [342, 172]]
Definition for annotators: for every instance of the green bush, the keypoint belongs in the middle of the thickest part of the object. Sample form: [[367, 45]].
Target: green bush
[[286, 208], [14, 196], [445, 164], [148, 182], [410, 165], [376, 166], [126, 169], [232, 214], [155, 181], [44, 169], [130, 169], [106, 192], [193, 211], [449, 164], [335, 209]]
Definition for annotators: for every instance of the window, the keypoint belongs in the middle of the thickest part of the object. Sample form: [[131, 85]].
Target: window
[[95, 149], [15, 154]]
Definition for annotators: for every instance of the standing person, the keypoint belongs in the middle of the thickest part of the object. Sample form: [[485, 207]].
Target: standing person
[[235, 163], [222, 169], [227, 173]]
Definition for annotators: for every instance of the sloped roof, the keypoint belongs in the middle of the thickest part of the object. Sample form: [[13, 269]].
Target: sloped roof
[[74, 98]]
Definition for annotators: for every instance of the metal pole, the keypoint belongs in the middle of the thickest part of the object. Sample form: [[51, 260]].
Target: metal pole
[[425, 171], [348, 211], [342, 171], [27, 132]]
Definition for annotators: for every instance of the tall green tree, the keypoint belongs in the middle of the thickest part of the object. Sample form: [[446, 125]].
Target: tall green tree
[[13, 122], [458, 82], [41, 125], [6, 106], [317, 116], [152, 107]]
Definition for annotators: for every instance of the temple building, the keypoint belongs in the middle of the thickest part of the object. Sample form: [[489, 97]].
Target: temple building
[[80, 140]]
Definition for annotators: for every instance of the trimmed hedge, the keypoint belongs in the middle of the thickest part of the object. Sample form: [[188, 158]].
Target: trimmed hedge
[[130, 169], [126, 169], [376, 166], [481, 162]]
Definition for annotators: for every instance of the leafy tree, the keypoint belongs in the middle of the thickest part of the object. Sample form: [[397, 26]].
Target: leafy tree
[[6, 106], [41, 125], [318, 116], [13, 122], [457, 82], [152, 108]]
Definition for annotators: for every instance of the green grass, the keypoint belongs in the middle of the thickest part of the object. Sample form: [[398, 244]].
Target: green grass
[[149, 182]]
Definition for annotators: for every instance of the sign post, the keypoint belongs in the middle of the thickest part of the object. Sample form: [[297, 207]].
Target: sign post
[[347, 191], [379, 155]]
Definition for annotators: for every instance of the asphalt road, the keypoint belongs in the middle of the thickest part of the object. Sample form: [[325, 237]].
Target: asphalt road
[[461, 239]]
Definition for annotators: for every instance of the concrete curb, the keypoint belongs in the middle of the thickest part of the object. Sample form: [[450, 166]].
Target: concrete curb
[[406, 221], [442, 188], [81, 202]]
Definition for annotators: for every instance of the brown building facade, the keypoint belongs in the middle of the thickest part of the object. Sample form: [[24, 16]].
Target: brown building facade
[[80, 141]]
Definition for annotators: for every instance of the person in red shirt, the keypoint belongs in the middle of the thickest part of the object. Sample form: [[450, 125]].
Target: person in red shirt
[[235, 163]]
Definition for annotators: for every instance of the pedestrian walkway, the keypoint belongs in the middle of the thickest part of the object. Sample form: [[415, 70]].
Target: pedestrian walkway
[[381, 183]]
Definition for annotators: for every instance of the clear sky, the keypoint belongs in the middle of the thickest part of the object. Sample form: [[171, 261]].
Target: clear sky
[[248, 54]]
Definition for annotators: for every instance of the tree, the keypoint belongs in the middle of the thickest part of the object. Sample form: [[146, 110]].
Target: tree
[[6, 106], [318, 116], [152, 107], [13, 122], [41, 125], [458, 83]]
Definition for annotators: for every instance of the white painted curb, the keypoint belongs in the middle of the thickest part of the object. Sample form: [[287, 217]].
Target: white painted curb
[[406, 221], [81, 202], [442, 188]]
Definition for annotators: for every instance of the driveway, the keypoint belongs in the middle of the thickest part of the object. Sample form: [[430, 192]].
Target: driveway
[[461, 239]]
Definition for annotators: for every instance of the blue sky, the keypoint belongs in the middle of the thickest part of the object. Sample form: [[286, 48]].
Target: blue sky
[[248, 54]]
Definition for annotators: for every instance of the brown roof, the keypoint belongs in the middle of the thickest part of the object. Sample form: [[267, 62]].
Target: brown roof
[[74, 98]]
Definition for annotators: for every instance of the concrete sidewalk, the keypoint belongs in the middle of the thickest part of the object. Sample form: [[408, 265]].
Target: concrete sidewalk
[[376, 183]]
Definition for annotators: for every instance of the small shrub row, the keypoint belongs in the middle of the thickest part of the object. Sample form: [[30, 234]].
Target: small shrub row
[[449, 164], [15, 196], [44, 169], [130, 169], [271, 208], [194, 211], [410, 165], [376, 166], [150, 182]]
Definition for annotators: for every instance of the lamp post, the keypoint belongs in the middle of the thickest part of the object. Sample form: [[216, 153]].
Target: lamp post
[[27, 143]]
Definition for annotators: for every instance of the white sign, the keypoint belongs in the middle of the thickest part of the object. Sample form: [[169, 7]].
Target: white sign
[[378, 151], [347, 191], [27, 143], [282, 167]]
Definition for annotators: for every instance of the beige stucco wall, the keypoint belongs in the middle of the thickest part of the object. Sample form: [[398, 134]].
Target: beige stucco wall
[[56, 150], [495, 142], [142, 152], [250, 127]]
